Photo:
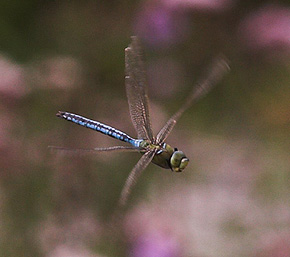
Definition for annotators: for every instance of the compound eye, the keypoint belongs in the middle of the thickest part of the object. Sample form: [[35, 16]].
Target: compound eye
[[178, 161]]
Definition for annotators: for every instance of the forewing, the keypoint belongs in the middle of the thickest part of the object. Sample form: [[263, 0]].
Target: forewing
[[136, 89], [218, 69], [134, 175]]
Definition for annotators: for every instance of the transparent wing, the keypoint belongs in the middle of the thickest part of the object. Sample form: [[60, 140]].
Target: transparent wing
[[78, 151], [219, 67], [136, 89], [134, 175]]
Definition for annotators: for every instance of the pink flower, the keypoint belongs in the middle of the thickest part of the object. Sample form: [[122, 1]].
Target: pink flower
[[160, 26], [11, 82], [60, 72], [152, 234], [205, 5], [266, 29], [274, 245]]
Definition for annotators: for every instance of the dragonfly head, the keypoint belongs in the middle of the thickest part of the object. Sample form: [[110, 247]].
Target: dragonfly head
[[178, 161]]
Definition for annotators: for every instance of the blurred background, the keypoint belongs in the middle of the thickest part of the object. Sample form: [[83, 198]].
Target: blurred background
[[233, 198]]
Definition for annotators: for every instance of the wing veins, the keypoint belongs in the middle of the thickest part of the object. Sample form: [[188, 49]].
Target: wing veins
[[136, 90], [134, 175], [218, 69], [93, 150]]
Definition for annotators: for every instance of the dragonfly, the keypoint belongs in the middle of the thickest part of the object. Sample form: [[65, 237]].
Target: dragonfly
[[153, 148]]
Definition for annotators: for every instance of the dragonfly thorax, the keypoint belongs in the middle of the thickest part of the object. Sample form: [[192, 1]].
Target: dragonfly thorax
[[166, 156]]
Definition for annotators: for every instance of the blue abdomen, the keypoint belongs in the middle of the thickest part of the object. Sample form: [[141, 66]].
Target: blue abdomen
[[98, 126]]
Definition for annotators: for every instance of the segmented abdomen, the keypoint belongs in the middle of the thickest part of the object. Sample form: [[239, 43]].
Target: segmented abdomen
[[98, 126]]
